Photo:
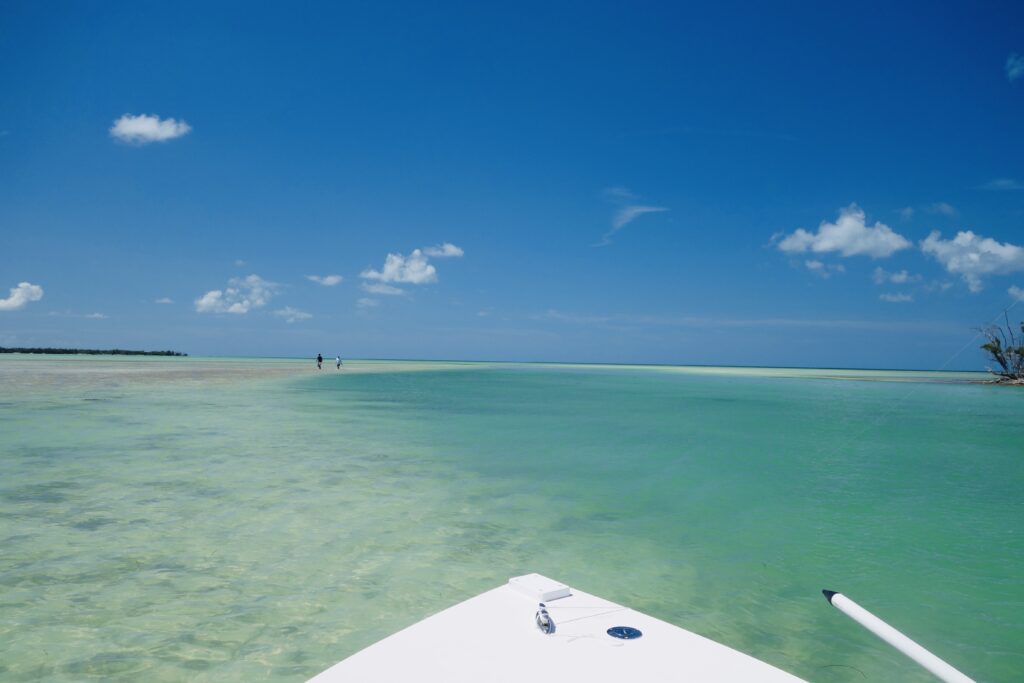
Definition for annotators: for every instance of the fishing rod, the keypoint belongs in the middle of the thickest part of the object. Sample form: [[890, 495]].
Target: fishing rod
[[936, 666]]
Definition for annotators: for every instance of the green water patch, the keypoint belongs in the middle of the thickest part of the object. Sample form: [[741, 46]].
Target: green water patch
[[263, 528]]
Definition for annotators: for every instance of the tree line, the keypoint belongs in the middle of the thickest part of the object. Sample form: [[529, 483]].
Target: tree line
[[90, 352]]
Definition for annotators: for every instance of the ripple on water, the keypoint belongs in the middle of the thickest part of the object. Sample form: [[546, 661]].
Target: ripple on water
[[49, 492], [93, 523], [107, 664]]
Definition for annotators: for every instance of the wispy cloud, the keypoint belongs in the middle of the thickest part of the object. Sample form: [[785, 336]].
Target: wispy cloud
[[73, 314], [624, 217], [292, 315], [325, 280], [1014, 67], [973, 257], [937, 286], [882, 276], [381, 288], [446, 250], [746, 323], [896, 298], [628, 214], [824, 270], [23, 294], [242, 295], [849, 235], [1002, 184], [943, 208], [146, 128], [552, 314], [935, 208], [164, 300], [1016, 292], [625, 214], [366, 302], [619, 193]]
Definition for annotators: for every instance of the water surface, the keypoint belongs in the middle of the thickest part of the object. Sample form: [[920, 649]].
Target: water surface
[[215, 520]]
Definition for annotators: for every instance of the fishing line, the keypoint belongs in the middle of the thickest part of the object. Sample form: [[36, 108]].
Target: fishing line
[[1005, 312], [879, 419]]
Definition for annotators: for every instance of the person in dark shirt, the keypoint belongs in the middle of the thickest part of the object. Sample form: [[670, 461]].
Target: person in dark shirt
[[319, 361]]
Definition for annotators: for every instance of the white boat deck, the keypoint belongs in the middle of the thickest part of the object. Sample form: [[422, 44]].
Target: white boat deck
[[493, 638]]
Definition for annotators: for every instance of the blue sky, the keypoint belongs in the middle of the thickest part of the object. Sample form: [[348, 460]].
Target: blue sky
[[715, 184]]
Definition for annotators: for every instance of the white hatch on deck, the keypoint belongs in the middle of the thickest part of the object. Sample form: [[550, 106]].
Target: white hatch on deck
[[540, 588]]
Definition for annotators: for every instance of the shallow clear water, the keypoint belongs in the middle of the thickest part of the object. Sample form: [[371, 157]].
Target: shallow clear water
[[191, 519]]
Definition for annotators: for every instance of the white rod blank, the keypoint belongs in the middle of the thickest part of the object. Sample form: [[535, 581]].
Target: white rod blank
[[936, 666]]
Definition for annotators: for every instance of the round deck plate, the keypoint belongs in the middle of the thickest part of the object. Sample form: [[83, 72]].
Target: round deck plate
[[624, 632]]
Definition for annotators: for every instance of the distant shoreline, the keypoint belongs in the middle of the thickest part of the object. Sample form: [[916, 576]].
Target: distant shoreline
[[91, 352], [989, 378], [1004, 382]]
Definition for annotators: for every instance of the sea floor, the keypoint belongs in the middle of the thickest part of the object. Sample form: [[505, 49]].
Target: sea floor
[[174, 519]]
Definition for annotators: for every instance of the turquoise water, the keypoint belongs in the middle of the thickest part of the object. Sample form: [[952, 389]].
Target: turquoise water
[[214, 520]]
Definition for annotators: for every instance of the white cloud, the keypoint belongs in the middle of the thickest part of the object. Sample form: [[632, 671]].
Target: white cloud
[[825, 270], [292, 315], [944, 209], [698, 322], [906, 213], [627, 212], [325, 280], [896, 298], [413, 269], [937, 286], [560, 316], [381, 288], [849, 235], [972, 256], [1016, 292], [72, 314], [1014, 67], [366, 302], [21, 295], [624, 217], [146, 128], [446, 250], [1003, 184], [241, 296], [619, 193], [239, 262], [164, 300], [882, 276]]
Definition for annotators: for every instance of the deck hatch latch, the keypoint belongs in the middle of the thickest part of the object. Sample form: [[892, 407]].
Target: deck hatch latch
[[544, 621]]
